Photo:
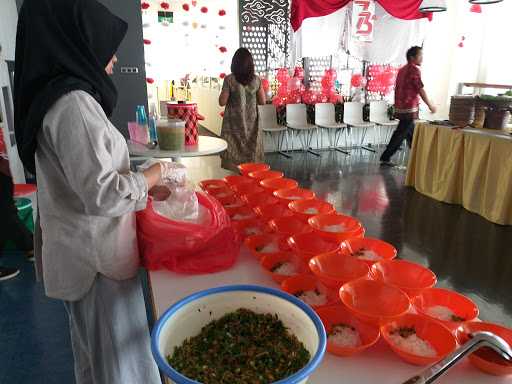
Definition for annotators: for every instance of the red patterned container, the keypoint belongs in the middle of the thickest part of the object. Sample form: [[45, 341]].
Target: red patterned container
[[188, 113]]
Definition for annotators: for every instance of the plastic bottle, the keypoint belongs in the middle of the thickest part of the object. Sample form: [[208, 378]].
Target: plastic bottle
[[152, 124], [142, 119]]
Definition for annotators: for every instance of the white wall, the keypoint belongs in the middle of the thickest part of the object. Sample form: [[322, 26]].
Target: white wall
[[8, 22]]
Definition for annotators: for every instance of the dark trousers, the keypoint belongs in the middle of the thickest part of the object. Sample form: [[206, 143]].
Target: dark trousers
[[11, 227], [404, 131]]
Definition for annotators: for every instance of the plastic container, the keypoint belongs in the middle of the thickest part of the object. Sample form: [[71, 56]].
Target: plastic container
[[285, 227], [221, 194], [269, 212], [374, 302], [290, 195], [309, 245], [272, 185], [247, 188], [247, 168], [339, 315], [440, 338], [248, 228], [171, 134], [336, 227], [257, 244], [266, 175], [307, 282], [383, 250], [270, 262], [460, 305], [188, 316], [213, 184], [334, 270], [306, 209], [485, 360], [410, 277], [233, 180], [259, 199], [242, 214]]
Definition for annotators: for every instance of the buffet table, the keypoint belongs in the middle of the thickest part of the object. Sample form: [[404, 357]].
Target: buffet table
[[376, 365], [470, 167], [206, 146]]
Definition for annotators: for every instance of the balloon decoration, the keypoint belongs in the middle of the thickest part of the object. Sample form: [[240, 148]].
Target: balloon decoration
[[204, 9], [265, 84], [222, 12], [358, 81], [186, 7], [222, 75], [299, 73], [381, 79], [164, 5], [144, 5], [223, 49]]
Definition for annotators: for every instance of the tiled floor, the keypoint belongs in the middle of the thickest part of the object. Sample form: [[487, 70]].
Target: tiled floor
[[466, 252]]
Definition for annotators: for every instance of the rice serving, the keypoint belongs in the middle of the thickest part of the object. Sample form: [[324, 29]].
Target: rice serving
[[311, 211], [293, 197], [285, 269], [344, 336], [268, 248], [240, 216], [407, 340], [314, 298], [367, 254], [222, 195], [252, 231], [337, 228], [443, 313], [234, 205]]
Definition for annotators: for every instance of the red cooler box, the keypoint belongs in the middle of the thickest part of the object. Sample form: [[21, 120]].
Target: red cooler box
[[188, 113]]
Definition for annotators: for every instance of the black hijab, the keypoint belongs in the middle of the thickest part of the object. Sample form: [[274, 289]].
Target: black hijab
[[61, 46]]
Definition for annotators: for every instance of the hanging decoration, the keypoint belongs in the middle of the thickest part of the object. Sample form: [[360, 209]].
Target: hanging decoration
[[164, 5], [363, 16], [144, 5], [147, 41], [222, 75], [186, 7], [222, 12], [223, 49], [204, 9], [381, 79]]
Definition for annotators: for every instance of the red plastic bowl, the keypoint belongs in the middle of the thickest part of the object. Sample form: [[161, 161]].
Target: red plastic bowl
[[410, 277], [269, 262], [334, 270], [384, 250], [374, 302], [305, 209], [259, 199], [460, 305], [269, 212], [266, 175], [272, 185], [339, 315], [213, 184], [242, 214], [353, 227], [256, 242], [307, 282], [221, 194], [439, 337], [288, 226], [247, 189], [290, 195], [309, 245], [487, 360], [247, 168], [248, 228], [237, 180]]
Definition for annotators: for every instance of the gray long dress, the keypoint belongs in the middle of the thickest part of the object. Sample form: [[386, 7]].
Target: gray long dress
[[240, 124]]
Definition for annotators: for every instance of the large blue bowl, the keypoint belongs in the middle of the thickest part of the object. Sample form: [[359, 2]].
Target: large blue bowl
[[186, 318]]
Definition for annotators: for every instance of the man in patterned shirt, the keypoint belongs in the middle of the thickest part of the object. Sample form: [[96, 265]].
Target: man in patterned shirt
[[408, 90]]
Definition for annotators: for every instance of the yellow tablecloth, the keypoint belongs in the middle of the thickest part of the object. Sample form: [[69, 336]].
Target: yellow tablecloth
[[470, 167]]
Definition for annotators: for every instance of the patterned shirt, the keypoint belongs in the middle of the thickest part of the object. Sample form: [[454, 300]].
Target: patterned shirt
[[407, 92]]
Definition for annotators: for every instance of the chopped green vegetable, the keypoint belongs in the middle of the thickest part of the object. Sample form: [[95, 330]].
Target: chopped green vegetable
[[242, 347]]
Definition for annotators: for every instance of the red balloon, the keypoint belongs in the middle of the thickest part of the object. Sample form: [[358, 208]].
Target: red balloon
[[144, 5], [265, 84], [164, 5], [147, 41], [186, 7], [279, 101], [331, 74], [204, 9], [222, 12], [327, 82], [299, 72], [294, 83], [223, 49], [283, 75], [150, 80], [282, 90], [222, 75]]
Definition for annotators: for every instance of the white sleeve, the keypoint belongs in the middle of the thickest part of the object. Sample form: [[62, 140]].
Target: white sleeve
[[83, 142]]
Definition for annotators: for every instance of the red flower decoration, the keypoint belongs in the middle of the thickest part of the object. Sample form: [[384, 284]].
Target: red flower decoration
[[204, 9], [147, 41], [222, 12], [164, 5], [186, 7], [150, 80], [223, 49], [222, 75], [144, 5]]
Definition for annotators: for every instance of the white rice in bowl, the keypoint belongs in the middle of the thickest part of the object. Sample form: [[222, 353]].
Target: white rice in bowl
[[336, 228], [408, 341], [443, 313], [268, 248], [241, 216], [285, 269], [311, 211], [344, 336], [367, 254], [312, 298]]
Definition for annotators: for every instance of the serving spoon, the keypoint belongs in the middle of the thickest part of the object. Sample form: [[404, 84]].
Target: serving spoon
[[477, 341]]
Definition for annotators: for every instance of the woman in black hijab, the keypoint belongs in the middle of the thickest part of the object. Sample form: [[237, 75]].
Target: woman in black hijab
[[86, 191]]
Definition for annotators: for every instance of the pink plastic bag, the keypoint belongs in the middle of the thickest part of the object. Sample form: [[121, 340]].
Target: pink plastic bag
[[185, 247]]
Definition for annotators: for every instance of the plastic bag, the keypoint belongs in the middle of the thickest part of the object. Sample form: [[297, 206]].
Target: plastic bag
[[181, 205], [187, 247]]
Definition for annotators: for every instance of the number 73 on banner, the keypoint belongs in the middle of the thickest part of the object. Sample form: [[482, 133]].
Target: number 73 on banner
[[363, 15]]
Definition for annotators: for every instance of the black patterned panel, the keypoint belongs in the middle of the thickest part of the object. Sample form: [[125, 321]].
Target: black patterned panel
[[266, 22]]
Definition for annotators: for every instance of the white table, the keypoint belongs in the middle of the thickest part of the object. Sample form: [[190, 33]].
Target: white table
[[206, 146], [377, 365]]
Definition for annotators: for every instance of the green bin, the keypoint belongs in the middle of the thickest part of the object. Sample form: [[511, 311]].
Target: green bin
[[25, 214]]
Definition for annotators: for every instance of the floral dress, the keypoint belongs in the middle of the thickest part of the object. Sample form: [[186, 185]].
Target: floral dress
[[240, 125]]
